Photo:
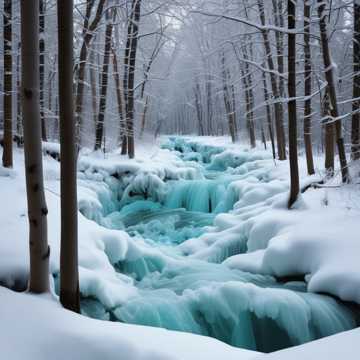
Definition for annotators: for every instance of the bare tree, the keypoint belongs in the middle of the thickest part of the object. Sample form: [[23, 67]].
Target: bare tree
[[7, 158], [37, 209], [332, 90], [268, 115], [129, 77], [42, 6], [88, 34], [230, 111], [69, 273], [355, 127], [119, 95], [293, 155], [279, 121], [104, 82], [308, 90]]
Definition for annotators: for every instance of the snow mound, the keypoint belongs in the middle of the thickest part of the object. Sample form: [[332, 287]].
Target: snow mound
[[47, 331]]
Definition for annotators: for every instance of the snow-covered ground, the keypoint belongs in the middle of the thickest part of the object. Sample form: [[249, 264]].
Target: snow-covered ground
[[223, 270]]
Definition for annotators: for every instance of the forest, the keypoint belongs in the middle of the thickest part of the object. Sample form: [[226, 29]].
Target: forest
[[180, 179]]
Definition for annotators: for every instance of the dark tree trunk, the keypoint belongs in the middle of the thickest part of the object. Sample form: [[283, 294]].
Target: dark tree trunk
[[279, 116], [332, 90], [143, 117], [19, 120], [293, 155], [130, 126], [199, 113], [249, 95], [69, 271], [42, 67], [355, 125], [228, 102], [88, 33], [37, 209], [119, 95], [308, 89], [268, 115], [93, 83], [329, 134], [124, 145], [7, 158], [279, 37], [104, 85]]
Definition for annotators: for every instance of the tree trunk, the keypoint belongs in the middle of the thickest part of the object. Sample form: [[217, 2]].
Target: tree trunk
[[42, 67], [249, 95], [227, 101], [37, 209], [7, 158], [293, 156], [69, 272], [332, 90], [279, 37], [329, 137], [104, 85], [143, 117], [93, 83], [88, 33], [19, 120], [268, 115], [355, 125], [197, 93], [118, 95], [279, 116], [130, 127], [308, 90]]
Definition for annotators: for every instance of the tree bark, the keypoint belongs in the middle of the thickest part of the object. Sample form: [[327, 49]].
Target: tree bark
[[133, 36], [104, 85], [279, 37], [143, 117], [293, 155], [7, 158], [279, 116], [42, 67], [119, 95], [250, 102], [88, 33], [227, 101], [93, 82], [329, 136], [199, 113], [332, 90], [268, 115], [19, 120], [355, 123], [69, 272], [37, 209], [308, 90]]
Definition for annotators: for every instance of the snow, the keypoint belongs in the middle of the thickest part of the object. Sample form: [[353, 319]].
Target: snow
[[335, 347], [311, 242], [47, 331], [215, 275]]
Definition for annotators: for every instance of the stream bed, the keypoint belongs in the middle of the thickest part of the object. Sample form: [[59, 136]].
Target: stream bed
[[178, 291]]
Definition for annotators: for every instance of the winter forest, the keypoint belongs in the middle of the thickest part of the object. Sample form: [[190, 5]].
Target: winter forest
[[179, 179]]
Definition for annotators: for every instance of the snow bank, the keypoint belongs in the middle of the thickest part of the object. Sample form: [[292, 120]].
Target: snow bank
[[38, 328], [335, 347], [320, 243]]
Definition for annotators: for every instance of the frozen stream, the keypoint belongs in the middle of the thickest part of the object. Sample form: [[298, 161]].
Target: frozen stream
[[182, 292]]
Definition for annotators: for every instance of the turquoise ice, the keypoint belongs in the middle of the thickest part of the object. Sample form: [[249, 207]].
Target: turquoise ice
[[181, 293]]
